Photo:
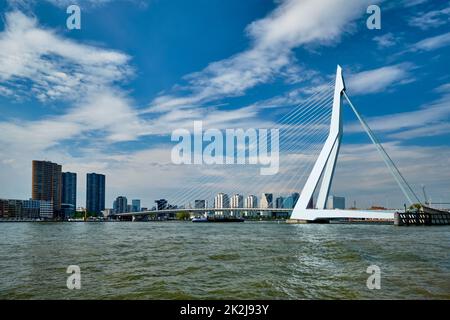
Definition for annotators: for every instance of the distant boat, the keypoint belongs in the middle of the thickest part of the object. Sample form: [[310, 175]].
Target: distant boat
[[200, 219]]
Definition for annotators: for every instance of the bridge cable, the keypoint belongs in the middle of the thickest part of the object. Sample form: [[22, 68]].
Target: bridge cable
[[387, 160]]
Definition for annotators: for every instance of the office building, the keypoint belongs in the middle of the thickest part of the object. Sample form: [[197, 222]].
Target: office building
[[136, 205], [279, 202], [336, 202], [120, 205], [47, 183], [266, 200], [26, 209], [288, 202], [46, 209], [10, 208], [295, 196], [31, 208], [161, 204], [67, 211], [95, 193], [69, 194], [69, 188], [199, 204], [4, 208]]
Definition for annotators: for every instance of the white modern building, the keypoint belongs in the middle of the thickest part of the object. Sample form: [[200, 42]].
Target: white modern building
[[251, 201], [221, 201], [237, 201]]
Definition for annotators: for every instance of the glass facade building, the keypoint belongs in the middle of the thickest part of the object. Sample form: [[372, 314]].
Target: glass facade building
[[95, 193]]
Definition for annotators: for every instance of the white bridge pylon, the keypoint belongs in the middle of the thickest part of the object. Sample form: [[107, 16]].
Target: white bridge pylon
[[325, 166]]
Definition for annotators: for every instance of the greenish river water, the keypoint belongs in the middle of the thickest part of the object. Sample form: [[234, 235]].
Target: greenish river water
[[251, 260]]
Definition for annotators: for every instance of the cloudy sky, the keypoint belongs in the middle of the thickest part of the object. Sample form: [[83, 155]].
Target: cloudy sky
[[106, 98]]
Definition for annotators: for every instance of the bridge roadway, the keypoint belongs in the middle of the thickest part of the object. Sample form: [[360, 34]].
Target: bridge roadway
[[308, 214], [202, 210]]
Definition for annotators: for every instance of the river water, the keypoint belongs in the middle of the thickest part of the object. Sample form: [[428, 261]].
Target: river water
[[251, 260]]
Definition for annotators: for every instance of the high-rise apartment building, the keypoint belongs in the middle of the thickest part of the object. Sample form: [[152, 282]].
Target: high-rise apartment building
[[47, 183], [69, 188], [237, 201], [221, 201], [95, 193], [251, 201]]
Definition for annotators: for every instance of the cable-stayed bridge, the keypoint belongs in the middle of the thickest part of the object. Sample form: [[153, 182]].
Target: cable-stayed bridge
[[310, 131]]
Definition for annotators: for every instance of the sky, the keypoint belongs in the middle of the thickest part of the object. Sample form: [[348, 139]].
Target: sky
[[106, 98]]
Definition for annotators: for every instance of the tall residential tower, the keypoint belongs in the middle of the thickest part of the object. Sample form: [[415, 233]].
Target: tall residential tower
[[95, 193], [47, 183], [69, 192]]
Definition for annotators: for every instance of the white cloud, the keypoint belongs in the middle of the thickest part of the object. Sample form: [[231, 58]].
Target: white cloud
[[423, 131], [431, 19], [386, 40], [432, 43], [294, 23], [444, 88], [54, 67], [104, 113], [377, 80], [21, 4]]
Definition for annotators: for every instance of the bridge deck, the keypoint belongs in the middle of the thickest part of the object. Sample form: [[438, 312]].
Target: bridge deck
[[315, 214], [200, 210]]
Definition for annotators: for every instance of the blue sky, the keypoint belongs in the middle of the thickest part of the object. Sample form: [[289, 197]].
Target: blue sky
[[107, 97]]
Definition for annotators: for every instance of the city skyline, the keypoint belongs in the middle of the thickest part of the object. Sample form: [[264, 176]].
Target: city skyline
[[46, 172], [396, 76]]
